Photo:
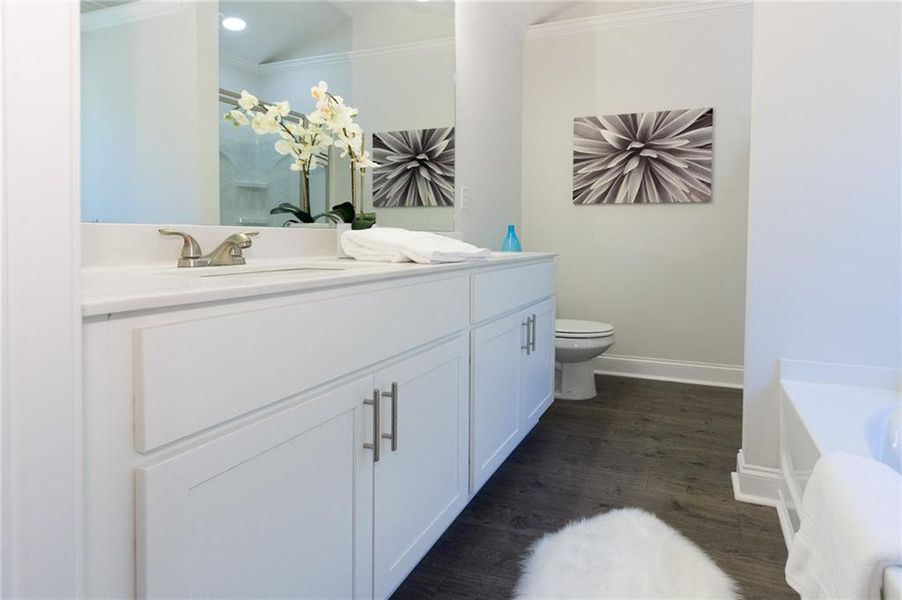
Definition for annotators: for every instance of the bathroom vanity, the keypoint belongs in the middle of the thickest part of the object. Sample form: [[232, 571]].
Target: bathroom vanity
[[305, 428]]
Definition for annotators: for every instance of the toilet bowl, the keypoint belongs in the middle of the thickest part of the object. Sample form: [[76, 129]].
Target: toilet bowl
[[576, 345]]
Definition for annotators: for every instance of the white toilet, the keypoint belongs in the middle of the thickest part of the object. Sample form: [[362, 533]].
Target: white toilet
[[576, 344]]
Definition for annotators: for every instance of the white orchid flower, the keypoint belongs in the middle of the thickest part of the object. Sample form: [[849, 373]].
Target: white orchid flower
[[319, 91], [273, 113], [295, 130], [331, 123], [342, 144], [364, 161], [264, 123], [247, 101], [280, 108], [324, 141], [284, 146], [236, 117]]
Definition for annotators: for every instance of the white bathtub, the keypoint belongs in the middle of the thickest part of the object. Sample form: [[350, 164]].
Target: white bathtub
[[818, 416]]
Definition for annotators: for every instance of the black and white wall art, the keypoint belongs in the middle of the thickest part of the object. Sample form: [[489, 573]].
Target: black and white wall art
[[416, 168], [644, 158]]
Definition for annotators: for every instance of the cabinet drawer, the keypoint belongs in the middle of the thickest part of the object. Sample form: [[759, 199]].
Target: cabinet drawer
[[501, 291], [191, 375]]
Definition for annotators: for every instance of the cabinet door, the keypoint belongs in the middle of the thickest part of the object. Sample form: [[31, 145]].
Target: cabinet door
[[498, 349], [537, 370], [421, 486], [280, 508]]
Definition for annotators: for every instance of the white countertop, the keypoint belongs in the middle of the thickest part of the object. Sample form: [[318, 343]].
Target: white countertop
[[121, 289]]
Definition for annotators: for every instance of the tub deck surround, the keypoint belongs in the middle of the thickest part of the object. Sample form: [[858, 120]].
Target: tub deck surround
[[828, 408], [299, 427]]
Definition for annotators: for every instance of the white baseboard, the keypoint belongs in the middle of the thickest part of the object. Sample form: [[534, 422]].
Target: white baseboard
[[785, 521], [755, 484], [670, 370]]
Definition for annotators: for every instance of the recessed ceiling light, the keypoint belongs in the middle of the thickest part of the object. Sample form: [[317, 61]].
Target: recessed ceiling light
[[234, 23]]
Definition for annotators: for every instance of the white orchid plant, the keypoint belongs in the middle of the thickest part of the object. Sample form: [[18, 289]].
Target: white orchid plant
[[331, 123]]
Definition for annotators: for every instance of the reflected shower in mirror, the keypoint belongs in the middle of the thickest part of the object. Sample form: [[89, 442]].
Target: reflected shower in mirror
[[157, 78]]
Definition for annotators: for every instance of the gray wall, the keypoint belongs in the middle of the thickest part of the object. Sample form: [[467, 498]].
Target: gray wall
[[670, 278]]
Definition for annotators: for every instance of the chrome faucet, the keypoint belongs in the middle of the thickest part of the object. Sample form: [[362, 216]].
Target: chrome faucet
[[226, 253]]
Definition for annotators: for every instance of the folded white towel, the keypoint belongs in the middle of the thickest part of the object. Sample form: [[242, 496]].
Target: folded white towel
[[851, 529], [391, 244]]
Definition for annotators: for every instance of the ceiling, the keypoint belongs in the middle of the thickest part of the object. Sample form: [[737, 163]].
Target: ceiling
[[523, 14], [92, 5], [283, 30], [280, 30]]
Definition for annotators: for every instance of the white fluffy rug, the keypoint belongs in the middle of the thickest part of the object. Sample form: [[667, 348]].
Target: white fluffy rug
[[625, 553]]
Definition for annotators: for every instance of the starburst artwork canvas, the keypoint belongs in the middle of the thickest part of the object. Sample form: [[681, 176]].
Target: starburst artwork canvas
[[415, 168], [644, 158]]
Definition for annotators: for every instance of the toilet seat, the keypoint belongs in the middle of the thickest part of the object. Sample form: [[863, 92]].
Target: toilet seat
[[575, 329]]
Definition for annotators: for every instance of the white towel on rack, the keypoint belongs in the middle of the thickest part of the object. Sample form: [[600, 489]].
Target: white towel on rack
[[851, 529], [391, 244]]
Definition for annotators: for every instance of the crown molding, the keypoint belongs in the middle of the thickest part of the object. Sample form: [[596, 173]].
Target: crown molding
[[238, 62], [131, 12], [635, 17], [352, 55]]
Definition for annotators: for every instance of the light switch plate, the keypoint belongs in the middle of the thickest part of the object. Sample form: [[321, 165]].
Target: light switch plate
[[465, 197]]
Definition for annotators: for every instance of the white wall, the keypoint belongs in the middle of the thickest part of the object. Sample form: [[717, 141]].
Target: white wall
[[40, 329], [670, 278], [489, 123], [824, 216], [150, 118]]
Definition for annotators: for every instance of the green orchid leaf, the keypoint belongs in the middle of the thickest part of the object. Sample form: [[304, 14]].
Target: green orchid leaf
[[286, 208], [345, 211]]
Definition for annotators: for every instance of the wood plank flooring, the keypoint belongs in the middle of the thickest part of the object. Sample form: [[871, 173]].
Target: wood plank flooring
[[668, 448]]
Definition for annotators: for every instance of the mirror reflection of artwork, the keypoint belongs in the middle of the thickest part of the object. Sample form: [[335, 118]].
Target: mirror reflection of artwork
[[415, 168], [644, 158]]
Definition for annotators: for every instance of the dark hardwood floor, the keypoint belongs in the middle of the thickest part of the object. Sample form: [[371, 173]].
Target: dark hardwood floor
[[668, 448]]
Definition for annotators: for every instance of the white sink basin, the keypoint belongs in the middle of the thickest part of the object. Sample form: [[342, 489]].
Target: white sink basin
[[235, 271]]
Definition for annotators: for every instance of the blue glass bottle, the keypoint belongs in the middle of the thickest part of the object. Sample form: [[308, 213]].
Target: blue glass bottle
[[511, 243]]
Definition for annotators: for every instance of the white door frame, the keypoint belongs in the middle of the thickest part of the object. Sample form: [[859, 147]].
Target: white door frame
[[40, 314]]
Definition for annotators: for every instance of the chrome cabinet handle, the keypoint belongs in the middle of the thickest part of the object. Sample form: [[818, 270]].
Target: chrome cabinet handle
[[377, 423], [527, 324], [533, 349], [393, 436]]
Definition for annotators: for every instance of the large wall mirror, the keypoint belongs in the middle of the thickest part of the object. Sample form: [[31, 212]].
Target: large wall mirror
[[158, 77]]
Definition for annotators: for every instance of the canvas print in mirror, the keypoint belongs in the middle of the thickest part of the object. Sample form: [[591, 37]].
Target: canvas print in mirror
[[644, 158], [415, 168]]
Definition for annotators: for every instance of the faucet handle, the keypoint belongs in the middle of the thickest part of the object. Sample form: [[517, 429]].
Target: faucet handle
[[190, 247], [246, 242]]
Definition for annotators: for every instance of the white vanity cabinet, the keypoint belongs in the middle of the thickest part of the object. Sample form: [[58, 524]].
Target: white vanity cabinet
[[536, 377], [233, 448], [275, 509], [420, 481], [513, 362]]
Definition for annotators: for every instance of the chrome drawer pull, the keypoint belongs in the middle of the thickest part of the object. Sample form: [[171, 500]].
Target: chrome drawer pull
[[527, 325], [377, 423], [533, 333], [393, 436]]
